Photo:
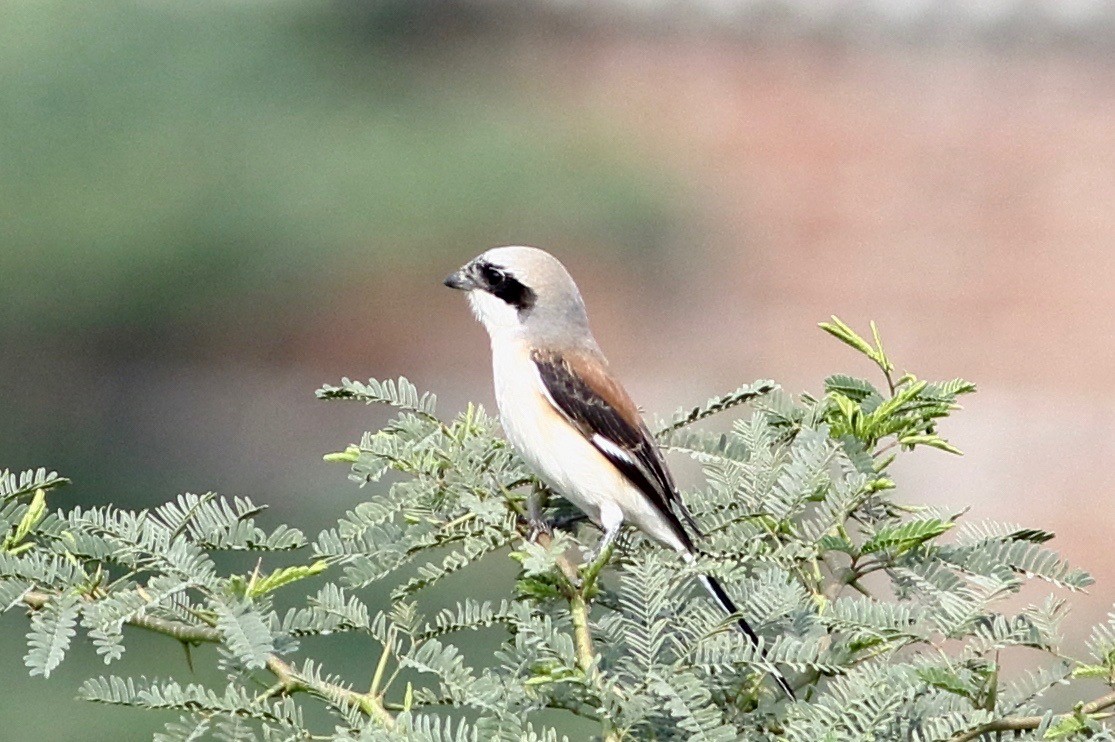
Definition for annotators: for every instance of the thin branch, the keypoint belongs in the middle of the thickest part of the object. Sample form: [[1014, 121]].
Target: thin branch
[[576, 592], [377, 678], [1022, 723], [582, 635], [289, 681], [578, 606], [879, 452], [715, 406], [183, 632]]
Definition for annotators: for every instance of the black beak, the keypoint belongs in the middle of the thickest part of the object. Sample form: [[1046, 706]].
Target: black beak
[[459, 281]]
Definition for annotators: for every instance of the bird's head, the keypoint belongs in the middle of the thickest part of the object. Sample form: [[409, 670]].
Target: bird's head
[[524, 293]]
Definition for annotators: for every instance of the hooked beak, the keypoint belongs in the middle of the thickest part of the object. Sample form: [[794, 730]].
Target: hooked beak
[[460, 280]]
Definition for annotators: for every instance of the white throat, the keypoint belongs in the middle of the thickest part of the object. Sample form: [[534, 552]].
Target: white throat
[[500, 319]]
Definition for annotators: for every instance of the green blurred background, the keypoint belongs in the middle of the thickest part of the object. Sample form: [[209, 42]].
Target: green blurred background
[[208, 209]]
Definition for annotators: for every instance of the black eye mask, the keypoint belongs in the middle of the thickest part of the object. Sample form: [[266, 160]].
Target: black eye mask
[[504, 286]]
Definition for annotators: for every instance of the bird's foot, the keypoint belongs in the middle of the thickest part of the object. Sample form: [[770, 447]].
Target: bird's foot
[[592, 556], [538, 526]]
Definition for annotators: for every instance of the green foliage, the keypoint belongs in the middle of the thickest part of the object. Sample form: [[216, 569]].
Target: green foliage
[[890, 619], [52, 628], [13, 485]]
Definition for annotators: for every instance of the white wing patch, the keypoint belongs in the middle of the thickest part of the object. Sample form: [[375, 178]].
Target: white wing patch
[[611, 449]]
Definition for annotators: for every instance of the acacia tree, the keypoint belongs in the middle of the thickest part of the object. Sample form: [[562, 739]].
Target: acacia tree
[[887, 617]]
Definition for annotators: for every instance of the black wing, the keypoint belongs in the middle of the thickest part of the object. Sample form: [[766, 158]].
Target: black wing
[[599, 407], [606, 416]]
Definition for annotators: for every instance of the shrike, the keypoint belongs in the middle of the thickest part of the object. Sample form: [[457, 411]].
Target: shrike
[[564, 412]]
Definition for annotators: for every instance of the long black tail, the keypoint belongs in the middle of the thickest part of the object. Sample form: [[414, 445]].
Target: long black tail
[[716, 590]]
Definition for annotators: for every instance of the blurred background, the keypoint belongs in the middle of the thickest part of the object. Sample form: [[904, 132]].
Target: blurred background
[[209, 209]]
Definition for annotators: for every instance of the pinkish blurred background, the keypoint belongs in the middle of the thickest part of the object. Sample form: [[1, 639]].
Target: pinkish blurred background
[[207, 212]]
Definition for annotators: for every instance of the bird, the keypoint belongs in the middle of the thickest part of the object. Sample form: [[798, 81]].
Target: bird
[[566, 414]]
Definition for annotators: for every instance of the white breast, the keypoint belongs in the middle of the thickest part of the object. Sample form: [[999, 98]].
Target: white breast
[[559, 454]]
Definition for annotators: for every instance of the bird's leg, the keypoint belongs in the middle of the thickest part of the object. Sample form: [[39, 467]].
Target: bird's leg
[[535, 518], [604, 547], [599, 556], [611, 520]]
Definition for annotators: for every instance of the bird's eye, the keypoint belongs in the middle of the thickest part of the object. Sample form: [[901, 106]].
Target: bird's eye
[[492, 276], [503, 285]]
